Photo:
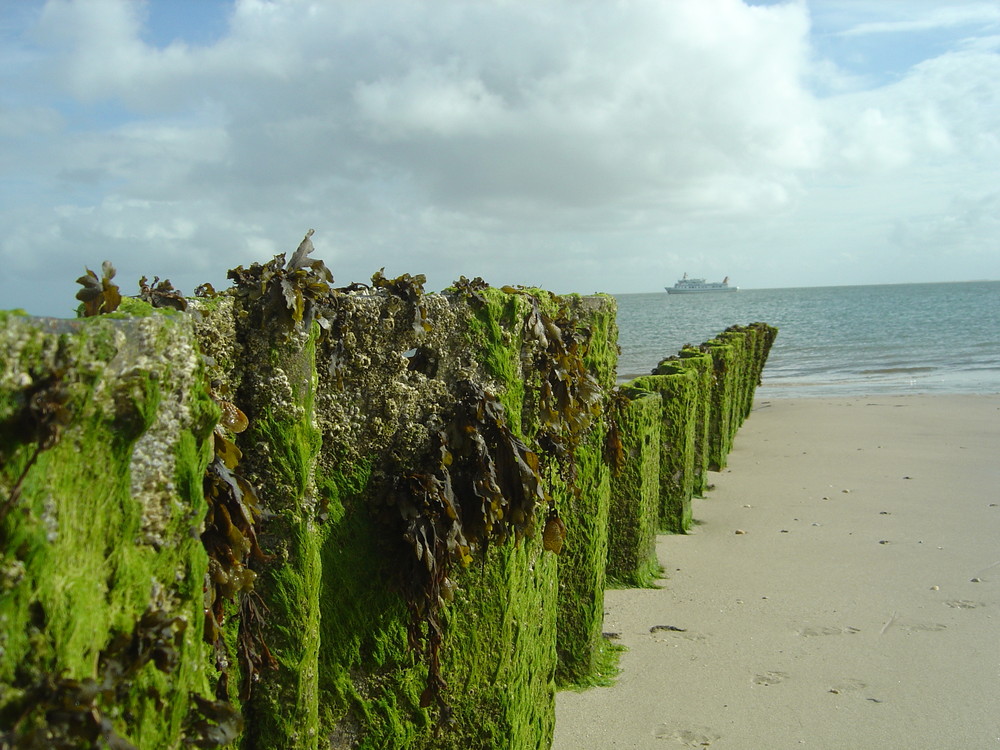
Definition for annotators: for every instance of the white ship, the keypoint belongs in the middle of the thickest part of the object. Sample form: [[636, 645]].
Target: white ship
[[698, 286]]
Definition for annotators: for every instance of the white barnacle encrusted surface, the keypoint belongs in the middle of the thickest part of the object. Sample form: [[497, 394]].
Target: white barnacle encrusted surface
[[161, 348], [375, 401], [23, 345]]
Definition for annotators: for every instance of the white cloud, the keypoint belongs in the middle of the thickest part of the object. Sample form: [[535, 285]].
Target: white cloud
[[946, 107], [24, 122], [490, 138], [969, 225], [636, 100], [438, 103], [910, 17]]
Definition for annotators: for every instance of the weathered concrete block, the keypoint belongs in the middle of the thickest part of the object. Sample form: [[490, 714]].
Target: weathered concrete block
[[635, 490], [738, 356], [583, 563], [386, 389], [723, 419], [678, 395], [700, 363]]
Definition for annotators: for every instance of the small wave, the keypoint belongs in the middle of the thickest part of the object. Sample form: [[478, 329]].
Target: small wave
[[897, 370]]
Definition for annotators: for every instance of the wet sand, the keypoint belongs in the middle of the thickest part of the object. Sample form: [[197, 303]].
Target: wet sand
[[841, 590]]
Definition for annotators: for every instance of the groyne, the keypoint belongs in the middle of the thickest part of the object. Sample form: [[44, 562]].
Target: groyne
[[294, 516]]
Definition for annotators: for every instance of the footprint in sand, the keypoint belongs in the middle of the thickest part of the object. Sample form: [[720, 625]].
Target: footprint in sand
[[674, 632], [769, 678], [928, 627], [809, 632], [694, 737], [848, 686], [963, 604]]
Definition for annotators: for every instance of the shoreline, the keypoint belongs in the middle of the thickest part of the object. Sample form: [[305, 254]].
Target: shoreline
[[859, 607], [962, 383]]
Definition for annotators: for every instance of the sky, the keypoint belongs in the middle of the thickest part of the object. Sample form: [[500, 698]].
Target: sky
[[575, 145]]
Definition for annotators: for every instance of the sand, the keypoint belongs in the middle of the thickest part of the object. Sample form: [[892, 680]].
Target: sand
[[840, 590]]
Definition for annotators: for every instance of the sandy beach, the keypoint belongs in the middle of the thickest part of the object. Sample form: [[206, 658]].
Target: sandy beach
[[841, 590]]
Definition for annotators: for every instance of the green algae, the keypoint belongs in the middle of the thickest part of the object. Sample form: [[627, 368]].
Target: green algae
[[498, 659], [282, 445], [370, 683], [499, 654], [635, 510], [738, 358], [678, 393], [605, 667], [495, 334], [700, 363], [82, 576], [130, 307], [579, 482], [706, 392], [583, 563], [762, 337], [599, 315], [722, 421]]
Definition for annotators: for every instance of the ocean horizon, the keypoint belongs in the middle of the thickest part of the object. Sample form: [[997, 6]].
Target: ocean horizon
[[834, 340]]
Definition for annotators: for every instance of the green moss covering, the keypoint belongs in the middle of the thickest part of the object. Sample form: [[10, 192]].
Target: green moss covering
[[722, 417], [678, 392], [370, 683], [86, 550], [132, 307], [738, 369], [282, 445], [700, 363], [583, 563], [495, 332], [599, 316], [498, 656], [605, 669], [635, 510], [762, 338], [499, 653], [738, 357], [581, 491]]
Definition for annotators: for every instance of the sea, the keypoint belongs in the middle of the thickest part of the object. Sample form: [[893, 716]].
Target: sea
[[834, 341]]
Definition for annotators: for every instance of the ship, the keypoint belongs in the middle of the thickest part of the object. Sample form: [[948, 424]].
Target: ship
[[700, 286]]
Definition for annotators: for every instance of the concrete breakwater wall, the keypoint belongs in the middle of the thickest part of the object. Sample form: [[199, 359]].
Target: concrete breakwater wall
[[295, 517]]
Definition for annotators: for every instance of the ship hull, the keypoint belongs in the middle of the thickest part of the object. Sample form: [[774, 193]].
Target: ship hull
[[712, 290]]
